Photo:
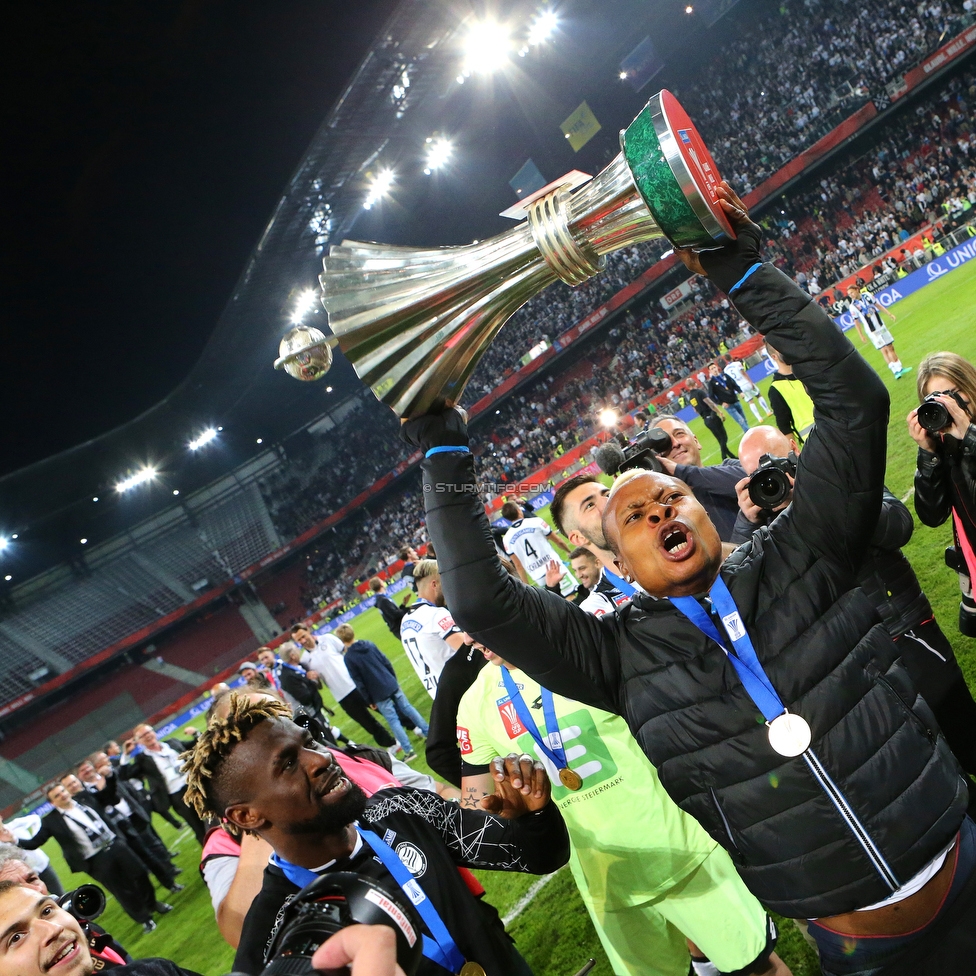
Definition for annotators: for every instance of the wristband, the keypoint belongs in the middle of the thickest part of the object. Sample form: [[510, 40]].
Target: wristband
[[742, 280], [446, 448]]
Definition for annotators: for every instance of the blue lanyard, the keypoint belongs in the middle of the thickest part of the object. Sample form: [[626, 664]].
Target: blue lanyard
[[745, 661], [553, 746], [620, 583], [440, 949]]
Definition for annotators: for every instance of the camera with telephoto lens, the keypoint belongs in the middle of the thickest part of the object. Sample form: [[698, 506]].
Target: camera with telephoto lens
[[770, 485], [330, 903], [617, 456], [933, 415], [85, 903]]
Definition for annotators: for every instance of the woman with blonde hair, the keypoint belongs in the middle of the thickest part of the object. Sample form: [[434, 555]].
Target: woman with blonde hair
[[945, 479]]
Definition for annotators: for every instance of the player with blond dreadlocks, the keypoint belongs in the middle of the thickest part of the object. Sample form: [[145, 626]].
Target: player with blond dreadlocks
[[260, 773]]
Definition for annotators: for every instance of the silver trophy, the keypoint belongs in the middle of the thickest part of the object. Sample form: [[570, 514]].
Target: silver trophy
[[415, 321]]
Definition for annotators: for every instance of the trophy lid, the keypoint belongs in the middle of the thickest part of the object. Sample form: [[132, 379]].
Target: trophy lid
[[675, 174]]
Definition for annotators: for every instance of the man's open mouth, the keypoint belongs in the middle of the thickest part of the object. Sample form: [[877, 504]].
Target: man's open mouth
[[336, 784], [677, 542], [67, 950]]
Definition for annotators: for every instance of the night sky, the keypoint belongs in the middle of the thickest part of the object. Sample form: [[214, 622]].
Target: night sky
[[145, 146]]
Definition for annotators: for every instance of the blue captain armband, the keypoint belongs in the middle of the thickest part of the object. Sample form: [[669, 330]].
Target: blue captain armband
[[446, 448]]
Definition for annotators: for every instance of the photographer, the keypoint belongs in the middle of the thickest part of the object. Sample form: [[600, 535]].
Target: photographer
[[847, 807], [890, 583], [262, 774], [945, 480], [713, 485], [39, 935]]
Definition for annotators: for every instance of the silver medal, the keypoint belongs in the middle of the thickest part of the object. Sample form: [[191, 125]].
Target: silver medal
[[789, 734]]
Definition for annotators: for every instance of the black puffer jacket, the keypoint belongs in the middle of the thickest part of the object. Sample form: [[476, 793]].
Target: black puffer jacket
[[946, 480], [878, 795], [886, 576]]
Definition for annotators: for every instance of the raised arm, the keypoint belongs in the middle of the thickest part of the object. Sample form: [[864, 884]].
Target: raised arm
[[841, 469], [559, 645]]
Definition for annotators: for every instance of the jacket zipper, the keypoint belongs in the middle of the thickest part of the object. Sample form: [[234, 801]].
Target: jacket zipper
[[725, 822], [856, 827]]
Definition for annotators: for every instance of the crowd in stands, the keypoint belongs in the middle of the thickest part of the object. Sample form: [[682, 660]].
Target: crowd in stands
[[922, 170]]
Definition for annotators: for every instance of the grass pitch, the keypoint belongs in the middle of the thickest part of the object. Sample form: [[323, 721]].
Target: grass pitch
[[553, 931]]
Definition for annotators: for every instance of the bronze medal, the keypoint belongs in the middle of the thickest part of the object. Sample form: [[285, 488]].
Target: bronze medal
[[472, 969], [570, 779]]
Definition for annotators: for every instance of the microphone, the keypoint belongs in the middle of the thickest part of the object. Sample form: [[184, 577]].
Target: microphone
[[609, 457]]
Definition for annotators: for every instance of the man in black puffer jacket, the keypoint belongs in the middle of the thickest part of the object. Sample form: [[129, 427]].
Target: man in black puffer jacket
[[871, 811]]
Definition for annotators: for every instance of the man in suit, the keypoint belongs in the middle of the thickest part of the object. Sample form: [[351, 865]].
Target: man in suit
[[90, 845], [159, 764], [129, 816]]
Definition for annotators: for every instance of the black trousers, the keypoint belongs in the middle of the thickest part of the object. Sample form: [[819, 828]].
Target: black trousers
[[930, 661], [356, 707], [715, 425], [119, 870], [51, 880], [149, 848], [195, 824]]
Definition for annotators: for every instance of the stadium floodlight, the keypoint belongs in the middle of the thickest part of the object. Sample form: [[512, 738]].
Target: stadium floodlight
[[303, 305], [439, 152], [176, 491], [379, 187], [8, 577], [203, 438], [689, 9], [142, 476], [83, 541], [4, 542], [623, 75], [543, 27], [14, 536], [487, 46], [608, 418]]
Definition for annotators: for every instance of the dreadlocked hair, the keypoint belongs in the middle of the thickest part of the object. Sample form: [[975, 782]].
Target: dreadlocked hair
[[212, 748]]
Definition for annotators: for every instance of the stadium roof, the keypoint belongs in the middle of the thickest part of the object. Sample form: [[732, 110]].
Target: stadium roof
[[411, 87]]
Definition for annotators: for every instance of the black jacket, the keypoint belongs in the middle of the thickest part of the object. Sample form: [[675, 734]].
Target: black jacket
[[438, 837], [886, 575], [879, 794], [142, 767], [723, 389], [391, 613], [946, 480], [304, 691], [53, 825]]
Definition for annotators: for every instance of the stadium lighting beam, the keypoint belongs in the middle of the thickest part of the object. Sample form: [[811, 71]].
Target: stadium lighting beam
[[543, 27], [379, 187], [439, 152], [141, 477], [303, 305], [608, 418], [4, 542], [202, 439], [487, 47]]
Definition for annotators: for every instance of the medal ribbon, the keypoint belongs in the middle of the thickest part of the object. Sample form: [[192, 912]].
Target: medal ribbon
[[553, 748], [440, 949], [620, 583], [745, 660]]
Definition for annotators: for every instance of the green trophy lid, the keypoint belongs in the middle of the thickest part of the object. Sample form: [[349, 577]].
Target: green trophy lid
[[675, 174]]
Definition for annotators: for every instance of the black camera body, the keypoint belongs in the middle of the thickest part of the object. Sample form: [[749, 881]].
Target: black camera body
[[330, 903], [770, 484], [616, 457], [933, 415]]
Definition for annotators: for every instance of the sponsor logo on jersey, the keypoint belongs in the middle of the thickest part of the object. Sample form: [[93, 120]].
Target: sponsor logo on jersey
[[413, 857], [464, 741], [446, 623], [389, 837], [513, 724]]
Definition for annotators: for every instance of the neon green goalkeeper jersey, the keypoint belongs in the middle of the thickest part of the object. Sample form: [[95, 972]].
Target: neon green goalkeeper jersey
[[632, 841]]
